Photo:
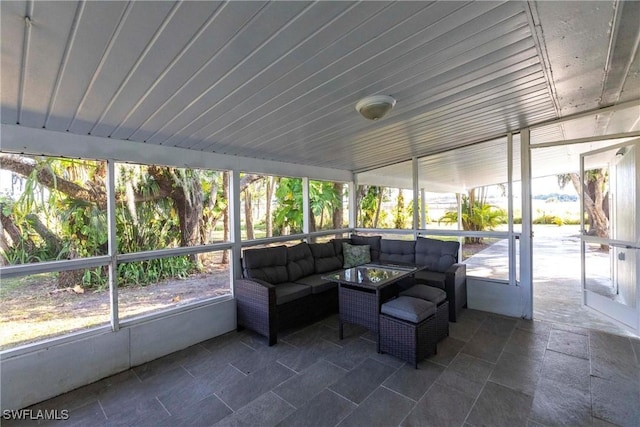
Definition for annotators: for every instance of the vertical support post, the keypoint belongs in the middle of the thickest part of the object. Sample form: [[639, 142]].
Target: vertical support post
[[526, 239], [416, 192], [460, 239], [353, 208], [423, 210], [583, 232], [512, 246], [306, 211], [112, 247], [235, 233]]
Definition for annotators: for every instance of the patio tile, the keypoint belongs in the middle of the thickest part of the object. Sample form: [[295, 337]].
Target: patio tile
[[164, 364], [448, 349], [485, 345], [440, 406], [570, 328], [362, 380], [147, 412], [527, 344], [569, 370], [90, 414], [517, 372], [203, 413], [472, 367], [219, 357], [611, 401], [252, 386], [500, 406], [460, 382], [267, 410], [193, 391], [537, 327], [569, 343], [303, 357], [301, 388], [464, 328], [557, 403], [411, 382], [327, 409], [498, 325], [351, 354], [255, 361], [374, 410]]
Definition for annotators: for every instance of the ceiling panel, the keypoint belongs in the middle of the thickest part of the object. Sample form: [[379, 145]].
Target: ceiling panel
[[279, 80]]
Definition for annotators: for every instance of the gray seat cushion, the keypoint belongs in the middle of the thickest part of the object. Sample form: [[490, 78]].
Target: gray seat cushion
[[431, 278], [427, 293], [317, 283], [413, 310], [287, 292]]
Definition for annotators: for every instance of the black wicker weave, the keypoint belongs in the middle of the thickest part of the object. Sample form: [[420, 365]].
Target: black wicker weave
[[411, 342], [442, 320]]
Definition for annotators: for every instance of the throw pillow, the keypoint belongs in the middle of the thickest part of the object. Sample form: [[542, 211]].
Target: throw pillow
[[355, 255]]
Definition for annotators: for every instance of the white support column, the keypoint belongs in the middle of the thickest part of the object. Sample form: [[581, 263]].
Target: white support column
[[235, 233], [512, 246], [353, 213], [112, 245], [416, 191], [306, 210], [423, 210], [526, 239], [460, 239]]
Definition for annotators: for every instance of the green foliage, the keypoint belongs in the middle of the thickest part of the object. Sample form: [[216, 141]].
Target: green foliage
[[548, 219], [289, 213], [476, 216]]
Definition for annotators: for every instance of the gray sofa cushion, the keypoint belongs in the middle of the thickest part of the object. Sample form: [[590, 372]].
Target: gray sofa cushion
[[413, 310], [268, 264], [299, 261], [431, 278], [325, 257], [427, 293], [436, 255], [287, 292], [397, 251], [317, 283], [372, 241], [337, 246]]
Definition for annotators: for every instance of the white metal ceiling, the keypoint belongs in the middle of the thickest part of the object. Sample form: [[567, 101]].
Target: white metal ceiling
[[279, 80]]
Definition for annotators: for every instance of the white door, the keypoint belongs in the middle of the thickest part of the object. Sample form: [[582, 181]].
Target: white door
[[611, 235]]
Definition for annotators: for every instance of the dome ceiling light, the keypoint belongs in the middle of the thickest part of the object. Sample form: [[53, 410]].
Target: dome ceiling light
[[375, 107]]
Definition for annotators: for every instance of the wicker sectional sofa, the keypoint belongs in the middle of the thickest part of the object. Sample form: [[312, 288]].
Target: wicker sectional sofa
[[282, 286]]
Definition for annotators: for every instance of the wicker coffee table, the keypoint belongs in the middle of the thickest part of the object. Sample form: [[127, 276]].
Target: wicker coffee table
[[363, 289]]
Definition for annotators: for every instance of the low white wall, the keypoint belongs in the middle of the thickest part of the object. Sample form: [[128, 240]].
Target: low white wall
[[494, 296], [32, 377]]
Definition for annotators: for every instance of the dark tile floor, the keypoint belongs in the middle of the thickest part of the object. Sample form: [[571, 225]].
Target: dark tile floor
[[490, 371]]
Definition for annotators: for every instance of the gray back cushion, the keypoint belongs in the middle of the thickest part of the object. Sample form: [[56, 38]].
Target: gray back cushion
[[299, 261], [437, 255], [402, 251], [372, 241], [268, 264], [324, 255], [337, 246]]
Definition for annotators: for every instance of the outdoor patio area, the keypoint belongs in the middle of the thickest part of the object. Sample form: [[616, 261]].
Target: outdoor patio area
[[556, 277], [491, 370]]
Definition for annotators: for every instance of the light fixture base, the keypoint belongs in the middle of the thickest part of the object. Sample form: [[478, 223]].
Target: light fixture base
[[375, 107]]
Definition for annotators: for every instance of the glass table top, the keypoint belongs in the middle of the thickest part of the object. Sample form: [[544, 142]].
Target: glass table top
[[371, 275]]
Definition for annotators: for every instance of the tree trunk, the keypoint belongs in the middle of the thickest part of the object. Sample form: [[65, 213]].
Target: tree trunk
[[52, 241], [594, 201], [186, 193], [248, 214], [338, 210], [378, 207]]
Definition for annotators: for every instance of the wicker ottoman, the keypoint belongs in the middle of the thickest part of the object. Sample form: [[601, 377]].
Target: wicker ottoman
[[408, 329], [439, 298]]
